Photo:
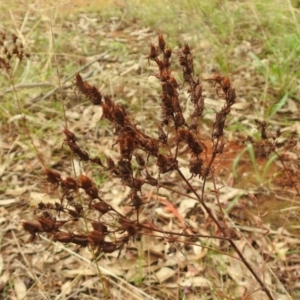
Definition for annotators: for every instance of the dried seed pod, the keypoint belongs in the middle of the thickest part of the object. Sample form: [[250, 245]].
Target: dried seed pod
[[161, 42], [196, 147], [53, 177], [108, 247], [80, 239], [196, 166], [32, 226], [219, 124], [205, 172], [40, 206], [107, 112], [168, 53], [126, 143], [47, 224], [169, 89], [58, 207], [224, 84], [47, 214], [70, 136], [96, 238], [199, 108], [69, 183], [179, 119], [73, 213], [153, 52], [136, 199], [85, 182], [151, 180], [93, 192], [230, 96], [78, 207], [161, 66], [162, 136], [97, 161], [110, 163], [130, 226], [94, 96], [102, 207], [262, 125], [186, 49], [63, 237], [131, 230], [118, 115], [83, 155], [139, 159], [150, 145], [88, 90], [124, 167], [80, 84], [183, 62], [165, 164], [99, 226], [134, 183]]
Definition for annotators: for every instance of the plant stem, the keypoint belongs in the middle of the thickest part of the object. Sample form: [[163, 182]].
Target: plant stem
[[223, 230]]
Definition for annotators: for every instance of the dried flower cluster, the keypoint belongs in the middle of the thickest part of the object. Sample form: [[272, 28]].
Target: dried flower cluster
[[10, 47], [178, 136], [80, 196], [270, 141]]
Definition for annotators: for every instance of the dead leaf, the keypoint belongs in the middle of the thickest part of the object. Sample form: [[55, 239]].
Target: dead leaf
[[292, 106], [164, 274], [16, 191], [4, 279], [20, 288], [66, 288], [242, 105], [73, 273], [8, 202], [197, 281]]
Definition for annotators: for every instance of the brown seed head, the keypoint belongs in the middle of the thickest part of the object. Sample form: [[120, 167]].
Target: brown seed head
[[85, 182], [53, 176], [161, 42]]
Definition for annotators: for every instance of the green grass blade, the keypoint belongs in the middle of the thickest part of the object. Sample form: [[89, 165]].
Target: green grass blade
[[236, 162], [275, 108]]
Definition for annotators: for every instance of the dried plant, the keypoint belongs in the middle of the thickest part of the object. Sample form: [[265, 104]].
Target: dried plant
[[83, 216]]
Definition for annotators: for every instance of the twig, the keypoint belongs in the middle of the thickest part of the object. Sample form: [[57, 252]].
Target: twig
[[27, 86], [223, 230]]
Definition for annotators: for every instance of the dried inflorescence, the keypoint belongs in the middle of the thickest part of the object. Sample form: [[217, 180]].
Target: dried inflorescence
[[91, 92], [81, 198], [222, 84], [139, 155], [270, 141], [10, 48]]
